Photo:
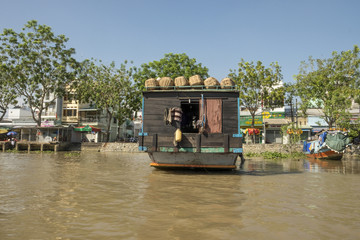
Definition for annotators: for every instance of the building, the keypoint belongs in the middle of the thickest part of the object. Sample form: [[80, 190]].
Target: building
[[53, 114], [78, 114], [18, 116]]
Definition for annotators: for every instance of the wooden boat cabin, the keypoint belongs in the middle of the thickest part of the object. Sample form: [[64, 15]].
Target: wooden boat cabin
[[195, 128]]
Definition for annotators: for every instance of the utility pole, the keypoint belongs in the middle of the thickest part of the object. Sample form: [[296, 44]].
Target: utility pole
[[264, 130], [292, 111], [296, 113]]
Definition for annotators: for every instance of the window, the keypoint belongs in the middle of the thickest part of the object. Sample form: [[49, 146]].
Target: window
[[69, 112]]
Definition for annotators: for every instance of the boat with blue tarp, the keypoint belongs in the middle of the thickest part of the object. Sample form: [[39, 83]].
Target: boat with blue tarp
[[329, 145]]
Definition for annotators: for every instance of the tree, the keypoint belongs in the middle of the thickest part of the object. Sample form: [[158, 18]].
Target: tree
[[290, 94], [38, 63], [110, 89], [7, 94], [329, 84], [257, 86], [344, 121], [172, 65]]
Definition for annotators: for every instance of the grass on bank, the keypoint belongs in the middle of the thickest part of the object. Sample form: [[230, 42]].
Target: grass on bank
[[275, 155]]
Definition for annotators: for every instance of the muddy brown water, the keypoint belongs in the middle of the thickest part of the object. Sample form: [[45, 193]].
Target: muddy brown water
[[119, 196]]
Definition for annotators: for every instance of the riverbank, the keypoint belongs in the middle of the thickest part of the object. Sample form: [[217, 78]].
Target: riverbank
[[133, 147], [247, 148]]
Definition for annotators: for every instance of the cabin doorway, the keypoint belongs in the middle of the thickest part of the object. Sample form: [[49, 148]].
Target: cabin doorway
[[196, 115], [190, 116]]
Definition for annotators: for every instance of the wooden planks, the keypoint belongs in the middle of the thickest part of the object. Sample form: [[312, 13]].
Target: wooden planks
[[230, 118], [191, 140], [154, 114]]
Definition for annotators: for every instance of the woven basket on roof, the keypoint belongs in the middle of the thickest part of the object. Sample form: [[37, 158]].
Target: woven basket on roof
[[166, 83], [227, 83], [151, 83], [196, 80], [181, 81], [211, 82]]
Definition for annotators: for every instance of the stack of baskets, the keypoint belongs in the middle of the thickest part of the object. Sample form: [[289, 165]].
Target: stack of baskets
[[181, 81], [227, 83], [211, 83], [195, 82]]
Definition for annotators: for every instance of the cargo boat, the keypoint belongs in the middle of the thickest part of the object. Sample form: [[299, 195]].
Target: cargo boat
[[191, 128]]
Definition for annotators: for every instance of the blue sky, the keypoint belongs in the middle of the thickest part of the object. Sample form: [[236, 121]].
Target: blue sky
[[217, 33]]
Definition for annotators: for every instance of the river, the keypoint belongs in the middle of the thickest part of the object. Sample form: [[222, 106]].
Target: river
[[119, 196]]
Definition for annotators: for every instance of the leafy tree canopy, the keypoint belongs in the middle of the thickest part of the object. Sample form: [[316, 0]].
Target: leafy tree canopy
[[109, 88], [172, 65], [7, 93], [330, 84], [258, 85], [38, 63]]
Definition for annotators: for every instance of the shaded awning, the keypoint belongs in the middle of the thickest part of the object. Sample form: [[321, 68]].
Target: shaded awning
[[305, 128], [87, 109], [87, 128], [280, 121], [316, 130]]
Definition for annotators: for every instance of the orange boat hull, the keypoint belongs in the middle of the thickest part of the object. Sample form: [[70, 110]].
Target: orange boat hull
[[326, 155]]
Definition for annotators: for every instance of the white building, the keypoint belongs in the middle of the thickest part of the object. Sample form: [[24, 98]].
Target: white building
[[52, 115], [18, 116]]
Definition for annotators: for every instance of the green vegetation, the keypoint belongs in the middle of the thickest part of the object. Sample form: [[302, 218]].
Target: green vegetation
[[12, 150], [7, 93], [172, 65], [38, 64], [252, 154], [108, 88], [330, 84], [276, 155], [256, 86]]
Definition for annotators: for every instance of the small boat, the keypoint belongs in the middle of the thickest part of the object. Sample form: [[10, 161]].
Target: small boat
[[191, 128], [330, 145]]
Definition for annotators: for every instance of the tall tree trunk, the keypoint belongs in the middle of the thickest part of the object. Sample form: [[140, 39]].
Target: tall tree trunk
[[108, 126], [291, 111], [38, 122], [253, 127], [2, 115]]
